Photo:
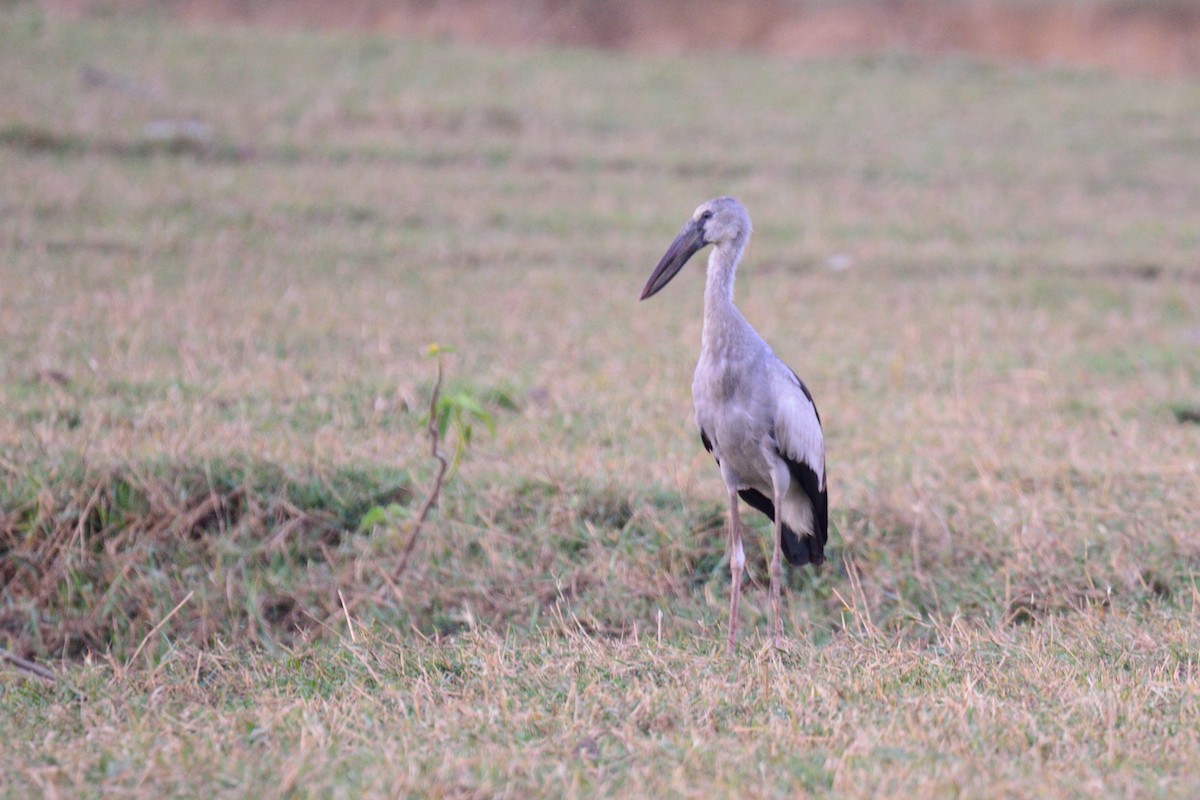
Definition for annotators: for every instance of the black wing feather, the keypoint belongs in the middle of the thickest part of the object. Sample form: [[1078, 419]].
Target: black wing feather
[[810, 548], [802, 550], [758, 501]]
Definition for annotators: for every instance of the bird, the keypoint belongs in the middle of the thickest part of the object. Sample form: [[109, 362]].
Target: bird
[[756, 417]]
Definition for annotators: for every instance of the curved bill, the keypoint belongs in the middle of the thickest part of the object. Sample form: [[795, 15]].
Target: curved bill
[[689, 240]]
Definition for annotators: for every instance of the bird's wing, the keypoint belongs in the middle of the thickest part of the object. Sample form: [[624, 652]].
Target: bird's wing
[[798, 437], [798, 429]]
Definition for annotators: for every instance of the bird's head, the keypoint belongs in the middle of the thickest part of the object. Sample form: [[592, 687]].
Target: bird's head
[[722, 220]]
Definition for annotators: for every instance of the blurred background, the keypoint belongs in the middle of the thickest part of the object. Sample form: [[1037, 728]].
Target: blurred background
[[1144, 37]]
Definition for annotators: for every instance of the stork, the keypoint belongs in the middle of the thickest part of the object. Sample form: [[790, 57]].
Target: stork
[[756, 417]]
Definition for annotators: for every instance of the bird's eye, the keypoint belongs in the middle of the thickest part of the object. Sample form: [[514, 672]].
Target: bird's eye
[[707, 215]]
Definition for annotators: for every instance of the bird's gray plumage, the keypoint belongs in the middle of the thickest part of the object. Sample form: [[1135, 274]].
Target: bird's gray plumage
[[755, 415]]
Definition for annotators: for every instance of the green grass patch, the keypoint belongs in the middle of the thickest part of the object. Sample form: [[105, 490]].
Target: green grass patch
[[93, 558]]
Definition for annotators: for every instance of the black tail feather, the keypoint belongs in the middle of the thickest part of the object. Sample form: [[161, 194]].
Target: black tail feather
[[797, 549], [802, 549]]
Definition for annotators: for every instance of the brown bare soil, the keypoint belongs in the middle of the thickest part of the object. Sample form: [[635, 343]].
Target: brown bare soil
[[1141, 38]]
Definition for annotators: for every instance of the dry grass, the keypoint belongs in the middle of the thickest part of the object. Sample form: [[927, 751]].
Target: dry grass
[[210, 368], [560, 713]]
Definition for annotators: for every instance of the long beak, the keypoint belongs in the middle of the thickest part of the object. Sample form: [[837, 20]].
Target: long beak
[[689, 240]]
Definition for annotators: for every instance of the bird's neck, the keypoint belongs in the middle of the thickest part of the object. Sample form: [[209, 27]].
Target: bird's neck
[[720, 315]]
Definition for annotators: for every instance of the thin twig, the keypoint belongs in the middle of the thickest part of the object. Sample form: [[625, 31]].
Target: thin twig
[[156, 628], [436, 490], [26, 665], [349, 622]]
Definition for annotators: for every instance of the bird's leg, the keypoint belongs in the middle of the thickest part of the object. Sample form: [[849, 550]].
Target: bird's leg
[[777, 576], [737, 562]]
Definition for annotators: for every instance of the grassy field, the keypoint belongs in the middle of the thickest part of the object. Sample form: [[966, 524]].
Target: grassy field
[[212, 371]]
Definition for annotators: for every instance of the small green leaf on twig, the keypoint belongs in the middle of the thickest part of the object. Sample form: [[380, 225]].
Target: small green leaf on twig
[[459, 411], [381, 515]]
